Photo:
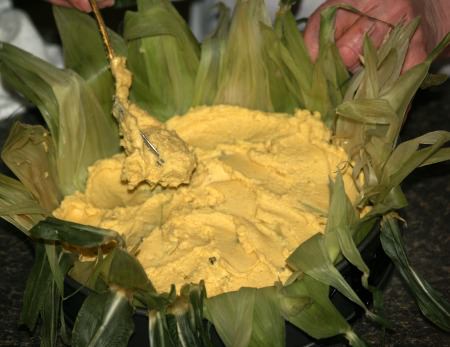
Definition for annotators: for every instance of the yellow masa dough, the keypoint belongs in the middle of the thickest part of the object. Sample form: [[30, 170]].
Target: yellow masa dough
[[260, 188], [141, 162]]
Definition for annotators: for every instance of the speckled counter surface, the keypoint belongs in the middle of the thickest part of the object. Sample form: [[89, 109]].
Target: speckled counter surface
[[427, 238]]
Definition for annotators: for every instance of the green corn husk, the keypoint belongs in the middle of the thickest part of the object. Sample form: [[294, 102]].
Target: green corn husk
[[315, 307], [82, 132], [181, 322], [18, 206], [38, 282], [283, 88], [104, 320], [211, 61], [312, 258], [248, 317], [163, 56], [44, 291], [74, 27], [244, 77], [329, 74], [343, 220], [75, 234], [245, 62], [285, 27], [29, 153]]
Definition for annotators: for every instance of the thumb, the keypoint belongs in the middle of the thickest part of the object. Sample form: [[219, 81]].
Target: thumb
[[82, 5]]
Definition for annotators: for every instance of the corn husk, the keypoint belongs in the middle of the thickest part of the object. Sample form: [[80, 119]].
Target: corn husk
[[81, 131], [29, 153], [105, 319], [246, 62], [18, 206], [73, 28], [163, 56]]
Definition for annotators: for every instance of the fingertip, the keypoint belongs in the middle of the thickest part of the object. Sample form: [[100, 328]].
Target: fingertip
[[82, 5], [63, 3], [312, 29]]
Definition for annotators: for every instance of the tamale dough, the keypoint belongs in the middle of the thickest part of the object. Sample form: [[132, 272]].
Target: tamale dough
[[260, 188], [141, 162]]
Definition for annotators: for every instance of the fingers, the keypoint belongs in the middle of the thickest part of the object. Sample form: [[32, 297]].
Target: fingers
[[351, 28], [60, 3], [82, 5], [344, 20], [311, 34], [350, 43]]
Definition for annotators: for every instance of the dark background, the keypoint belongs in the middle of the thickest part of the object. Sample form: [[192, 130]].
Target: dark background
[[427, 235]]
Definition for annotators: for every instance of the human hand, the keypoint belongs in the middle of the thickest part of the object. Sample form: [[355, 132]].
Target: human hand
[[82, 5], [351, 27]]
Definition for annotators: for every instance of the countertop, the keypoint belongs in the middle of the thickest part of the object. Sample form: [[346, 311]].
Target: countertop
[[427, 238]]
